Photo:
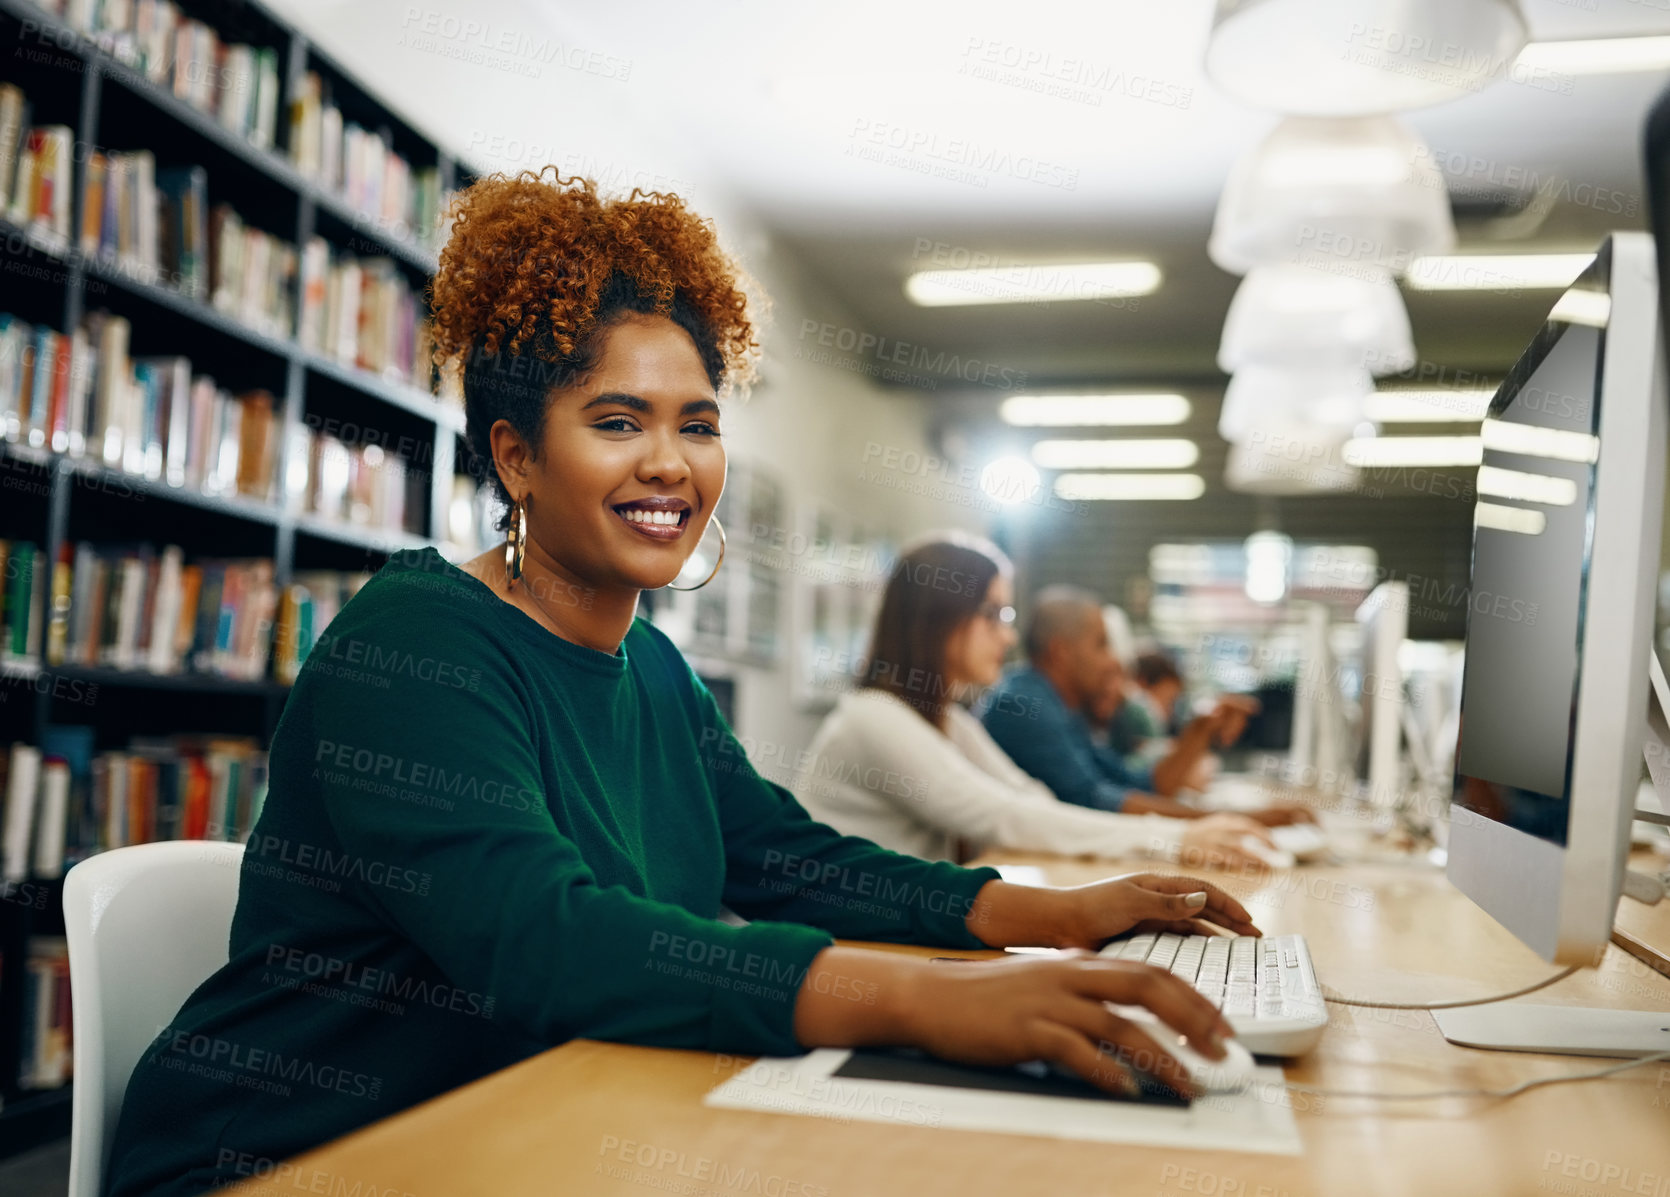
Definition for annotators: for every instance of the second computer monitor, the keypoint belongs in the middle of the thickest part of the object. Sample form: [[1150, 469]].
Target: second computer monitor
[[1384, 619], [1565, 562]]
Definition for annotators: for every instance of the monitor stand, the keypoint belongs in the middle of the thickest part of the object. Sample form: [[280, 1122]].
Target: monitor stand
[[1582, 1030]]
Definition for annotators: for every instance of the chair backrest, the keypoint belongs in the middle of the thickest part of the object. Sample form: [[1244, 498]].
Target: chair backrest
[[146, 925]]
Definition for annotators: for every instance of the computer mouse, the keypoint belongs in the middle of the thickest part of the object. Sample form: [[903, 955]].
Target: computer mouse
[[1231, 1074]]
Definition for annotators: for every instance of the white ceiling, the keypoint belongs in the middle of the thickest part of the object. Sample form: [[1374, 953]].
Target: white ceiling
[[766, 106]]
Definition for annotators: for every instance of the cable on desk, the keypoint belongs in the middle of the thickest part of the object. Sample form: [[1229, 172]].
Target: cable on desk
[[1484, 1001], [1432, 1094]]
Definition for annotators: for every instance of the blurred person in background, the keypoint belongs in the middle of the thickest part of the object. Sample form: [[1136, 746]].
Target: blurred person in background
[[900, 761], [1040, 715]]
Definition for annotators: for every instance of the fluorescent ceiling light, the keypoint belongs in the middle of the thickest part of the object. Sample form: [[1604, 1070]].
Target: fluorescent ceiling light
[[1534, 441], [1597, 56], [1129, 486], [1428, 407], [1037, 283], [1527, 488], [1526, 520], [1496, 272], [1116, 455], [1379, 452], [1066, 411]]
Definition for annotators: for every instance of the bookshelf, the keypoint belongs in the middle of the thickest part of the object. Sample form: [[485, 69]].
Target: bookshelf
[[108, 96]]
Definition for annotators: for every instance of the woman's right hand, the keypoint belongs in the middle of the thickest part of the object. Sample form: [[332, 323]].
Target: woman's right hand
[[1054, 1008], [1215, 841]]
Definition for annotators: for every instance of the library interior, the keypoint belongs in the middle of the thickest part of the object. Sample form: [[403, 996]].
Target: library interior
[[1071, 691]]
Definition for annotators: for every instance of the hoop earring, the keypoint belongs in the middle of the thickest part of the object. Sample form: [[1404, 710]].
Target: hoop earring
[[515, 544], [715, 522]]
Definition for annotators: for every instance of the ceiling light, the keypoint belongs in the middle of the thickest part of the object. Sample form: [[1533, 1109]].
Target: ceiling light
[[1428, 407], [1263, 394], [1349, 57], [1345, 195], [1380, 452], [1130, 486], [1497, 272], [1065, 411], [1116, 455], [1597, 56], [1269, 559], [1527, 487], [1286, 458], [1286, 313], [1010, 479], [1039, 283], [1533, 441], [1526, 520]]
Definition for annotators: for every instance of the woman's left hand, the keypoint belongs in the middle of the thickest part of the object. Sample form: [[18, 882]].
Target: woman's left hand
[[1143, 902]]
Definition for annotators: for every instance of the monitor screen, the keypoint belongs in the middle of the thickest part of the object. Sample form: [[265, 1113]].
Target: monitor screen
[[1531, 546]]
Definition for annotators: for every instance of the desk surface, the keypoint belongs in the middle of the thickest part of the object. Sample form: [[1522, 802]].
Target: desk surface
[[591, 1117]]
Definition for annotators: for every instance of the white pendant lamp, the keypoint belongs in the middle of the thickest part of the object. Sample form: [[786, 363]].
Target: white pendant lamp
[[1324, 395], [1349, 196], [1354, 57], [1291, 459], [1299, 314]]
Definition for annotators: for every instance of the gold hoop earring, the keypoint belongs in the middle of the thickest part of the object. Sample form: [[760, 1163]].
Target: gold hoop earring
[[715, 522], [515, 544]]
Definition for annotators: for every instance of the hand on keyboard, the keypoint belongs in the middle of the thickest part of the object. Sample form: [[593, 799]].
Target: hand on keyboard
[[1217, 842], [1149, 902]]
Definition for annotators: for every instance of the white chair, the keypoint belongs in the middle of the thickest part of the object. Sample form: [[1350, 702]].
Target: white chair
[[146, 925]]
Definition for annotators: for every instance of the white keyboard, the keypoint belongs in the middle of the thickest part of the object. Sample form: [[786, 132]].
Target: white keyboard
[[1265, 986]]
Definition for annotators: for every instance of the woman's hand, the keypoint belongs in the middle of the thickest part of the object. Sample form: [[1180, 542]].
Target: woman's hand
[[1215, 841], [1142, 902], [1281, 813], [1031, 1008]]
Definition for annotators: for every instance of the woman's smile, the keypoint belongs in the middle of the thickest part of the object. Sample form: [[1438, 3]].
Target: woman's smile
[[659, 517]]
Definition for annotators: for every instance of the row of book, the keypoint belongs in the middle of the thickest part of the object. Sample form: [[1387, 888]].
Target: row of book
[[362, 485], [81, 394], [362, 312], [138, 607], [36, 165], [236, 84], [360, 165], [65, 802], [46, 1055]]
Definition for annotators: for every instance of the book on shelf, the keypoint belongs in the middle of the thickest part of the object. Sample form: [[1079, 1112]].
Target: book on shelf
[[362, 312], [137, 608], [305, 610], [40, 166], [236, 84], [361, 167], [45, 1056], [251, 274], [22, 583], [65, 801], [14, 121]]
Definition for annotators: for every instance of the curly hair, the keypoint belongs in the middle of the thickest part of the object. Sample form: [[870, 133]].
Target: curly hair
[[536, 271]]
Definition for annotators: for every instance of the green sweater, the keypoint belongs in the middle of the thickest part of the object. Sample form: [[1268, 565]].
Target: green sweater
[[482, 840]]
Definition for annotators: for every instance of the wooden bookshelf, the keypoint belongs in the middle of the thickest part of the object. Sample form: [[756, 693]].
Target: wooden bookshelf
[[54, 500]]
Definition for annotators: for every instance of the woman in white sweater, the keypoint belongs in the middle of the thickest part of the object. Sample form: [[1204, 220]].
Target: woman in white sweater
[[901, 762]]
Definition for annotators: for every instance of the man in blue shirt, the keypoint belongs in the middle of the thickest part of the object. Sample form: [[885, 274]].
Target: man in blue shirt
[[1037, 714]]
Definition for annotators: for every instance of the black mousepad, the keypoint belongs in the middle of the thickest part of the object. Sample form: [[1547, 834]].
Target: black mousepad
[[914, 1066]]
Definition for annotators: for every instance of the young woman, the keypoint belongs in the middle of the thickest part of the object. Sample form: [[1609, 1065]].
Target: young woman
[[901, 762], [505, 813]]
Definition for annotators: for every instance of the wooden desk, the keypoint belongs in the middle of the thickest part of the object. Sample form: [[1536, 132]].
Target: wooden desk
[[591, 1117]]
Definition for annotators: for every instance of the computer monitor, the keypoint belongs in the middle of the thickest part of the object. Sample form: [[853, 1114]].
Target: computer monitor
[[1384, 620], [1555, 685]]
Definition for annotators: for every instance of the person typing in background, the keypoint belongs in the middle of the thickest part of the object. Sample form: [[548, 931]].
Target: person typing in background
[[1038, 714]]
